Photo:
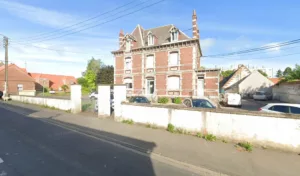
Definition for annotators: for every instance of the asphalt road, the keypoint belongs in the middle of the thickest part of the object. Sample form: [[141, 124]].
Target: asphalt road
[[34, 147]]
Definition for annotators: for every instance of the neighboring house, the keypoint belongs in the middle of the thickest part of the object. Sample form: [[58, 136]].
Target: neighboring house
[[287, 91], [18, 79], [246, 83], [53, 82], [163, 61], [275, 80]]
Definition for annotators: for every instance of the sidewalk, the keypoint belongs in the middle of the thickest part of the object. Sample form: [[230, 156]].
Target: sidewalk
[[216, 156]]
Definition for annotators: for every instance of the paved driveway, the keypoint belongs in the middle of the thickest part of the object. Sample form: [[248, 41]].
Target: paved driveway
[[252, 105]]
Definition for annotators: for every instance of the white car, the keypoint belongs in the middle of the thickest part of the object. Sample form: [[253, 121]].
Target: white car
[[281, 108], [262, 95], [93, 95], [232, 99]]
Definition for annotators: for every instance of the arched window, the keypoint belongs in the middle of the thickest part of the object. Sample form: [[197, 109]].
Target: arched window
[[150, 39], [174, 34]]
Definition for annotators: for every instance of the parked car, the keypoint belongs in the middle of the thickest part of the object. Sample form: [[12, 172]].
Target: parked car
[[231, 99], [281, 108], [138, 99], [198, 103], [262, 95], [93, 95], [1, 95]]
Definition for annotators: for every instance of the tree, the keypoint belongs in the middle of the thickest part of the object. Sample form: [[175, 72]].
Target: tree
[[64, 87], [263, 73], [106, 75], [279, 73], [227, 73], [287, 71], [293, 74]]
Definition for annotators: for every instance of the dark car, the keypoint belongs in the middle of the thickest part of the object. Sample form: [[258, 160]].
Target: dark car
[[138, 99], [1, 94], [198, 103]]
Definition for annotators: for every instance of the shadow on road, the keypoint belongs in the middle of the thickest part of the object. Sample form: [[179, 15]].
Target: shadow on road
[[49, 147]]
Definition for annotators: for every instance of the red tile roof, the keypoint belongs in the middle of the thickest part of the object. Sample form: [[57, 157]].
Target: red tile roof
[[10, 65], [275, 80], [56, 81]]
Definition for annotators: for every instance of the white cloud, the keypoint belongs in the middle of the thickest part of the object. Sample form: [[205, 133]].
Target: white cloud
[[274, 47], [38, 15], [207, 43]]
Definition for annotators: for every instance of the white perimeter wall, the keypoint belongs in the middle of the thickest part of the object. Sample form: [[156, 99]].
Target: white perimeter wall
[[271, 131], [287, 92], [51, 102]]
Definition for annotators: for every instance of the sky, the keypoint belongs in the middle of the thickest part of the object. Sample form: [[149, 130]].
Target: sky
[[225, 26]]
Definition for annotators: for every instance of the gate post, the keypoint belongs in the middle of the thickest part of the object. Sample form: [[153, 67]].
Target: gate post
[[76, 98], [103, 100], [119, 97]]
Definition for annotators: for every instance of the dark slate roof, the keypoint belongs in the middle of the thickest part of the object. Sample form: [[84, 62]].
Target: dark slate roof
[[161, 33]]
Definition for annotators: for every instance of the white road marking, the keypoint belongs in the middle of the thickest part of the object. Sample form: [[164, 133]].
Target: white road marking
[[1, 161]]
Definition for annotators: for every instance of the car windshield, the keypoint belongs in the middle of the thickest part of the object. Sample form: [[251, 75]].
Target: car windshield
[[259, 93], [200, 103], [139, 100]]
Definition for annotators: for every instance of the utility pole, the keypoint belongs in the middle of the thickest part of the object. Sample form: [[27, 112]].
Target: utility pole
[[5, 43]]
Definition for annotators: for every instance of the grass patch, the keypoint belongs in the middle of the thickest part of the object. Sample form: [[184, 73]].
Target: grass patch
[[246, 145], [210, 137], [85, 107], [49, 107], [130, 122], [153, 126], [177, 100], [180, 131], [224, 141], [163, 100], [199, 135], [171, 128]]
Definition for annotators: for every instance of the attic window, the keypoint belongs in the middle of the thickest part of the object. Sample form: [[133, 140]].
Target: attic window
[[128, 45], [150, 39], [174, 34]]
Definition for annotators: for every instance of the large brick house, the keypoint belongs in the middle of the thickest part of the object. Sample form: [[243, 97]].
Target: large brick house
[[18, 79], [163, 61]]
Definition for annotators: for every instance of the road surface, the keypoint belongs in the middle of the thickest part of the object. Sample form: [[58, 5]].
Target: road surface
[[33, 147]]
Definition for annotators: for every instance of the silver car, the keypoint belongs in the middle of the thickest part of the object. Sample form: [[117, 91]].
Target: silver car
[[262, 95]]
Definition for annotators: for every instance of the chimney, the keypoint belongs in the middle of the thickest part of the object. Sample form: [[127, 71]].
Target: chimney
[[195, 25], [121, 36]]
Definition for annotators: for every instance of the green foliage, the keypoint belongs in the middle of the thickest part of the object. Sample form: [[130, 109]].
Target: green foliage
[[46, 89], [64, 87], [130, 122], [210, 137], [149, 125], [163, 100], [199, 135], [85, 107], [90, 78], [279, 73], [106, 75], [293, 74], [287, 71], [224, 141], [263, 73], [171, 128], [88, 81], [177, 100], [246, 145], [227, 73]]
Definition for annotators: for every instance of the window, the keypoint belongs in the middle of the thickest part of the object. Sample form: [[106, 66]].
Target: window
[[128, 82], [173, 83], [284, 109], [128, 45], [20, 87], [128, 64], [174, 36], [174, 59], [150, 39], [150, 61], [295, 110]]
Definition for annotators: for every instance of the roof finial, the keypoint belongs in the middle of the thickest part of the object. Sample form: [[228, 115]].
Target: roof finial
[[194, 13], [121, 31]]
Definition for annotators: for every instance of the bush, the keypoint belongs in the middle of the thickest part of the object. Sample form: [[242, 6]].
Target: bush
[[210, 137], [130, 122], [246, 145], [199, 135], [171, 128], [163, 100], [177, 100], [46, 89]]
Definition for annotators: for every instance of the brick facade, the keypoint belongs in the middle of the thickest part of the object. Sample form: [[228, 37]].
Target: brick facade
[[157, 77]]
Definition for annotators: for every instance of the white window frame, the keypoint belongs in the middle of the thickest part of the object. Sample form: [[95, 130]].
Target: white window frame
[[150, 39], [171, 84], [148, 63], [174, 36], [126, 67], [171, 64], [20, 87], [128, 81], [128, 45]]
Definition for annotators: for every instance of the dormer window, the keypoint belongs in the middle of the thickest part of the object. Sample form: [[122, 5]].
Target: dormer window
[[150, 39], [174, 34], [127, 45]]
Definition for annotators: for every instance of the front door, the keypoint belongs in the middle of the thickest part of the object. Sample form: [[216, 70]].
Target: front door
[[150, 86], [200, 87]]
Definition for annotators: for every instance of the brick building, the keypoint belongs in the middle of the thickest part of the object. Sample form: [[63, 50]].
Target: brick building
[[163, 61], [18, 79]]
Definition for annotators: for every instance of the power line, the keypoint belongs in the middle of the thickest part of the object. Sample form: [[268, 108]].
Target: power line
[[257, 49], [103, 22], [83, 21]]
